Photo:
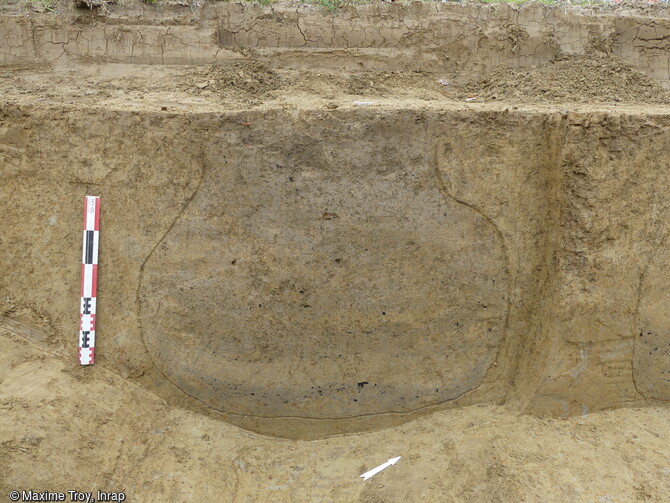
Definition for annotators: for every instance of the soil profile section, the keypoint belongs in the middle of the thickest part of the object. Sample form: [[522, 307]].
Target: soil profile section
[[326, 279], [460, 41], [447, 255]]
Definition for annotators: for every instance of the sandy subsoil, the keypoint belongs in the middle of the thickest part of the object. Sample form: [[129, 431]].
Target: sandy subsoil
[[65, 428], [549, 177]]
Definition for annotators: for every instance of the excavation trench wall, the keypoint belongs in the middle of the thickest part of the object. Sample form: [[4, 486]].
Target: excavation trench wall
[[460, 41], [350, 269]]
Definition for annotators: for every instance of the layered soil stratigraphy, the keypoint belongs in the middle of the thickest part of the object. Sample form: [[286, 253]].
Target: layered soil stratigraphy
[[449, 221]]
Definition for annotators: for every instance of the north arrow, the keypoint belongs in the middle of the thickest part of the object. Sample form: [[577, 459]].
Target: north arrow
[[375, 471]]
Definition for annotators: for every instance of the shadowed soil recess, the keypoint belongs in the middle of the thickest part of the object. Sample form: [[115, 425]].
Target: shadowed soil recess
[[433, 231]]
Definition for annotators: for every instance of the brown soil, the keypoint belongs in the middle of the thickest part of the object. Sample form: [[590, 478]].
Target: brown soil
[[245, 78], [58, 432], [318, 252], [581, 79]]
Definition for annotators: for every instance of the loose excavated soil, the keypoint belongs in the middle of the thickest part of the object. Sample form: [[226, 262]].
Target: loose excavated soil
[[433, 231], [250, 78], [581, 79]]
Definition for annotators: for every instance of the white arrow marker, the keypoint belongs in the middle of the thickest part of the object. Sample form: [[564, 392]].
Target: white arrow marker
[[375, 471]]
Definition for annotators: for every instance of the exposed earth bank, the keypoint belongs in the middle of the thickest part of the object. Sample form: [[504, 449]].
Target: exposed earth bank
[[64, 427], [436, 231]]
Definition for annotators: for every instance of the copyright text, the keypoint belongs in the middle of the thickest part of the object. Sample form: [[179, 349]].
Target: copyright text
[[81, 496]]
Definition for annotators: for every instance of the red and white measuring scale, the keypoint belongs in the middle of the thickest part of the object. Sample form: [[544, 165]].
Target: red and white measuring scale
[[89, 280]]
